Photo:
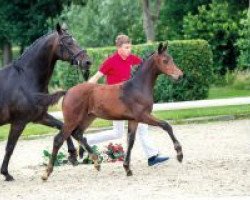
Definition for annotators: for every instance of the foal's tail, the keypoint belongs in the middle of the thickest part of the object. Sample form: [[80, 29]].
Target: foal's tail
[[48, 99]]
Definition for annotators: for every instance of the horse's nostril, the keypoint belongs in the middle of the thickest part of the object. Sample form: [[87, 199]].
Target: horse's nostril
[[88, 62]]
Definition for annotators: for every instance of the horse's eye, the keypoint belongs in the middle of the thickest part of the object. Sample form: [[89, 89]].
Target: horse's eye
[[165, 61]]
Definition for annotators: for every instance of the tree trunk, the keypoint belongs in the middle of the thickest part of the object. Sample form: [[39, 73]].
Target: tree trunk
[[7, 53], [149, 19]]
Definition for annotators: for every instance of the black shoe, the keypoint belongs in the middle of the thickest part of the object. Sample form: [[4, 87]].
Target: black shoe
[[154, 160]]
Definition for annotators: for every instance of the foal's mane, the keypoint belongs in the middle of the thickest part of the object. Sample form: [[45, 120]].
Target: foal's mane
[[144, 59]]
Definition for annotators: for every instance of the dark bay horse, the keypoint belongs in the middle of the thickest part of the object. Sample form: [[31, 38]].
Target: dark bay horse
[[30, 74], [131, 100]]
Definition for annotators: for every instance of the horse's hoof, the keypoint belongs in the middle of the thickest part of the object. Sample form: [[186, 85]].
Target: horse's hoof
[[129, 173], [9, 178], [180, 157], [98, 167], [73, 160]]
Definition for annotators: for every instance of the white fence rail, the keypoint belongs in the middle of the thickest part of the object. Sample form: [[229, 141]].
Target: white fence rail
[[202, 103], [189, 104]]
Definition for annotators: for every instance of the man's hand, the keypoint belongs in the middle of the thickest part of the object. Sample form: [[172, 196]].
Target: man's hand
[[96, 77]]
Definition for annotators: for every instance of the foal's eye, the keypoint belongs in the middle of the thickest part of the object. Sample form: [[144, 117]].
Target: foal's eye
[[165, 61], [70, 42]]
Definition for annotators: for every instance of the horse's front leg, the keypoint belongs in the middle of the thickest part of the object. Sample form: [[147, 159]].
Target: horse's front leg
[[150, 120], [49, 120], [16, 130], [132, 127]]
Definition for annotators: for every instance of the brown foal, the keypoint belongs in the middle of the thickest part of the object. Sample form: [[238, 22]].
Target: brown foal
[[131, 100]]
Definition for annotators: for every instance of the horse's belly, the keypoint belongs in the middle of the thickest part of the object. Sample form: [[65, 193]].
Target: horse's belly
[[4, 115]]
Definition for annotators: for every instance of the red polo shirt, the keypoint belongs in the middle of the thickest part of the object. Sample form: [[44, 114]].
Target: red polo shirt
[[118, 70]]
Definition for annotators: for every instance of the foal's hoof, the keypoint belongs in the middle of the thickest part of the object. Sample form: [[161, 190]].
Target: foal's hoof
[[98, 167], [9, 178], [129, 173], [180, 157], [45, 177], [73, 160]]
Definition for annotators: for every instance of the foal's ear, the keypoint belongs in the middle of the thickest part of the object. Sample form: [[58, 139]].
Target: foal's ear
[[160, 48], [59, 28], [165, 47]]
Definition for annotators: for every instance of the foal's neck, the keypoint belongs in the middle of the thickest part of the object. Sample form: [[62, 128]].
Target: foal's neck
[[145, 77]]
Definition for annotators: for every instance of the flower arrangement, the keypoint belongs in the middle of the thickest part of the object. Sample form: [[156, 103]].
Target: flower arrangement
[[112, 153], [115, 152]]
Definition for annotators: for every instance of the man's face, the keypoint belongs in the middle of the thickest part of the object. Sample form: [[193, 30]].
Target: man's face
[[124, 50]]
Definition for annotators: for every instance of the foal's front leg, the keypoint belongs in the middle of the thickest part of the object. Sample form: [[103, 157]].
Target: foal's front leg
[[58, 142], [150, 120], [132, 127]]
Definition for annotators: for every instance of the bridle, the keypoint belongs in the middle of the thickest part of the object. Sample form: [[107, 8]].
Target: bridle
[[73, 57], [71, 54]]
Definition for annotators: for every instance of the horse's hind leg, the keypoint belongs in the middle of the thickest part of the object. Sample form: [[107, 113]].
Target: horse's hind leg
[[132, 127], [49, 120], [15, 131]]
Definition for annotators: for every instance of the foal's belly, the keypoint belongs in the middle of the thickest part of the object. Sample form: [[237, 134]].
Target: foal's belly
[[107, 104]]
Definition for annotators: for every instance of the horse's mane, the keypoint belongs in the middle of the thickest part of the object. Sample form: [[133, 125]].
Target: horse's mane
[[29, 50]]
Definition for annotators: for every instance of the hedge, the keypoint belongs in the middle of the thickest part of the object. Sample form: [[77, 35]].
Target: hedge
[[194, 57]]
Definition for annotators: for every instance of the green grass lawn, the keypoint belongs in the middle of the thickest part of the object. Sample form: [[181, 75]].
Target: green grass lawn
[[226, 92]]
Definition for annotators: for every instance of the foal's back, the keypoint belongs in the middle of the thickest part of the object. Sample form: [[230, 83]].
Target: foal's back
[[104, 101]]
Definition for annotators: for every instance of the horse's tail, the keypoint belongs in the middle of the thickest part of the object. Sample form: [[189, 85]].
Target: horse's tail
[[48, 99]]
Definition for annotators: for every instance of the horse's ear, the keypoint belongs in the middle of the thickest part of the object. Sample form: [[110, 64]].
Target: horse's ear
[[59, 28], [160, 48]]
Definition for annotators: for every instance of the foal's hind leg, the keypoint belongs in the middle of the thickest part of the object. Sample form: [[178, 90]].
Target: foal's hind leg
[[150, 120], [78, 135], [15, 131], [132, 127], [49, 120]]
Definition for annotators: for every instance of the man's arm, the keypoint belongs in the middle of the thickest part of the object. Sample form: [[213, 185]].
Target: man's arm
[[96, 77]]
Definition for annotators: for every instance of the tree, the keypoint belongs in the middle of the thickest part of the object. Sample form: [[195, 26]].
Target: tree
[[100, 21], [170, 23], [243, 42], [215, 24], [150, 17], [23, 21]]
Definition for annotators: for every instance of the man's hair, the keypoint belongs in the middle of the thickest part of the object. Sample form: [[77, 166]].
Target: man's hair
[[122, 39]]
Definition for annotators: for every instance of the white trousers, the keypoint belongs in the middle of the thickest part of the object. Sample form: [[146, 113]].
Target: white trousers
[[117, 133]]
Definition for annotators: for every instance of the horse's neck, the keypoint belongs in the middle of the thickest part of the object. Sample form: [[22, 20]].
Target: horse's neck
[[38, 65]]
